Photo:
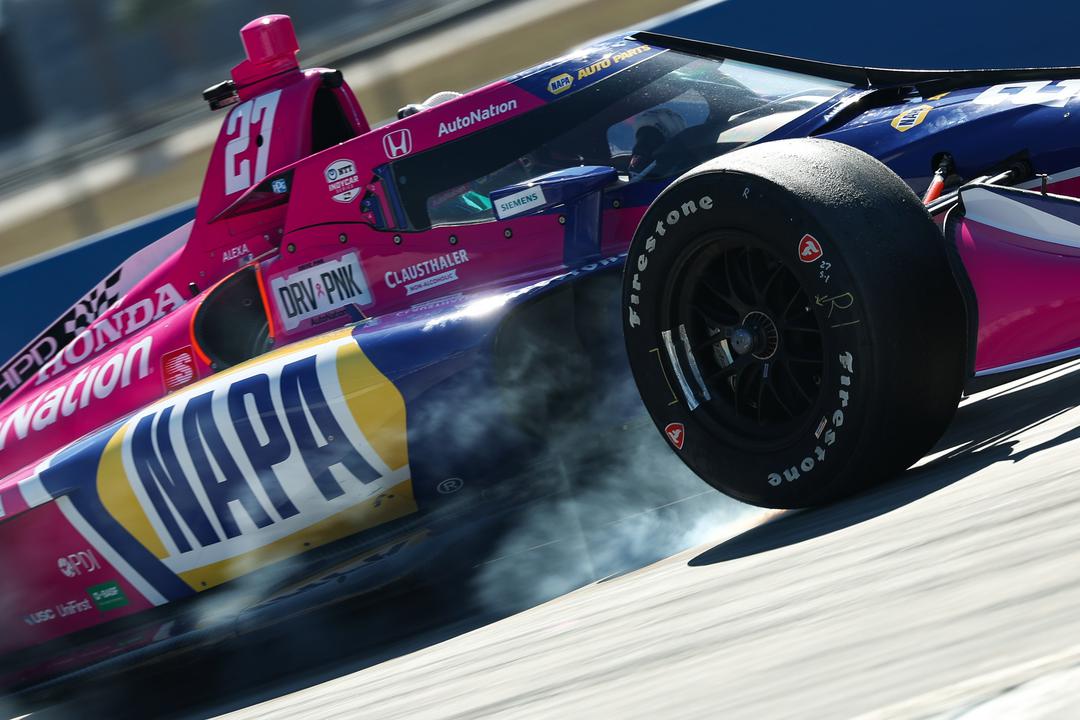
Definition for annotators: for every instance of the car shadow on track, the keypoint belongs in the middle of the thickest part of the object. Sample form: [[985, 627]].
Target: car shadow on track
[[984, 432]]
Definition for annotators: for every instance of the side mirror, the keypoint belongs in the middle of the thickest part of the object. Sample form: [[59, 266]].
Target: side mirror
[[579, 189]]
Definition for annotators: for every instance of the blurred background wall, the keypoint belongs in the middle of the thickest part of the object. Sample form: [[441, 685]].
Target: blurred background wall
[[955, 34], [102, 120], [17, 118]]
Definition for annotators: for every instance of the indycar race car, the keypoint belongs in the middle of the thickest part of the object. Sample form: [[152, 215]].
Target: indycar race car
[[366, 335]]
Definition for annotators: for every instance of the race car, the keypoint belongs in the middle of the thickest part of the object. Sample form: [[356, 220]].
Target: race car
[[367, 336]]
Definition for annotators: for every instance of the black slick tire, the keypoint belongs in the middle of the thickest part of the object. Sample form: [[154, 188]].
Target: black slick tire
[[796, 419]]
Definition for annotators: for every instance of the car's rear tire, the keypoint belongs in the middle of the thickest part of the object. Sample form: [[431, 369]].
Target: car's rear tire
[[792, 322]]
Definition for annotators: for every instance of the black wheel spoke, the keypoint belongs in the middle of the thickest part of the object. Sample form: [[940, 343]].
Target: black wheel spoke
[[728, 277], [779, 400], [803, 360], [768, 283], [745, 297], [794, 381], [735, 387], [732, 280], [760, 399], [749, 367], [710, 287], [750, 277], [724, 299], [708, 342], [708, 316], [728, 370], [791, 302]]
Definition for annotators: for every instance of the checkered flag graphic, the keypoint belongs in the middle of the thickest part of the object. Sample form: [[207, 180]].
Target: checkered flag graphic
[[93, 304]]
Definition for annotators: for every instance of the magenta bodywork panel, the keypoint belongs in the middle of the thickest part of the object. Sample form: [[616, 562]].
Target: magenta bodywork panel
[[1021, 251], [63, 586], [273, 206]]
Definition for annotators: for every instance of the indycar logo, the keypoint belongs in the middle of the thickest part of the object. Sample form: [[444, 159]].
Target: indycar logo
[[397, 144], [810, 249], [676, 433], [910, 118], [342, 181], [318, 289], [560, 83]]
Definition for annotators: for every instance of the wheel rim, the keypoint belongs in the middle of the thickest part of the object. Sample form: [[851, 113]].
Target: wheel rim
[[746, 337]]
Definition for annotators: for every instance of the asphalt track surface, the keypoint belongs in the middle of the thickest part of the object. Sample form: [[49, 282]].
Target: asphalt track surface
[[950, 592]]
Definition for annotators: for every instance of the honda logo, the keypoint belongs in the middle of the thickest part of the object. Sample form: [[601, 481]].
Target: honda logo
[[397, 143]]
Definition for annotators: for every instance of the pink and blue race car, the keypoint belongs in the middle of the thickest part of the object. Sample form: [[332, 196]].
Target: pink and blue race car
[[367, 337]]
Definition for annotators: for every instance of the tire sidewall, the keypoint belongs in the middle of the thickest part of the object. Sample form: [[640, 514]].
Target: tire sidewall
[[812, 465]]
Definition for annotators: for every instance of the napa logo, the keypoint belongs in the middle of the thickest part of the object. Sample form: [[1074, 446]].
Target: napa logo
[[253, 467], [560, 83], [910, 118]]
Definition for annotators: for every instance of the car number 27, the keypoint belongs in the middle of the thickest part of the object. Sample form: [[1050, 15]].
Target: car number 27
[[238, 172]]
